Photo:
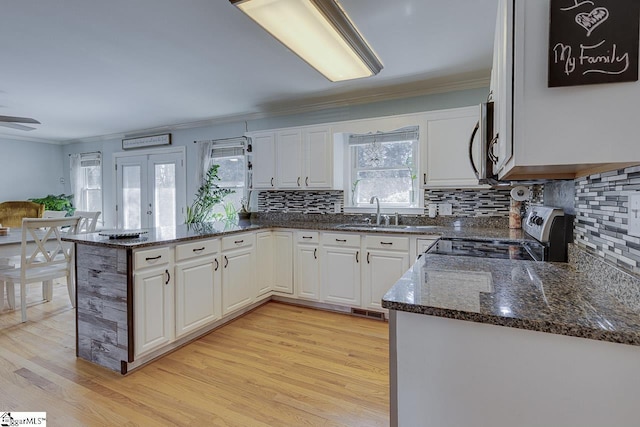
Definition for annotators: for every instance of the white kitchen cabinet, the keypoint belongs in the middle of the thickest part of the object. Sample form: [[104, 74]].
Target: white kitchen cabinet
[[341, 269], [319, 159], [153, 295], [238, 272], [558, 132], [289, 153], [445, 155], [307, 265], [386, 259], [263, 160], [197, 285], [283, 262], [265, 262]]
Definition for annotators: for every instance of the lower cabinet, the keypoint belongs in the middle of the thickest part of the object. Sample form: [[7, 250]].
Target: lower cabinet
[[153, 309], [238, 272], [198, 294], [307, 265], [283, 262], [385, 261], [265, 262], [341, 269]]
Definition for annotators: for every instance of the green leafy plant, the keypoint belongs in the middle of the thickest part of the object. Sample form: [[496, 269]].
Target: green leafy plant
[[208, 195], [61, 202]]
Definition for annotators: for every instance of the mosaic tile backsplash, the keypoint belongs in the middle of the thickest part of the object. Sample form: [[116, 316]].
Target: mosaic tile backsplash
[[601, 224], [465, 202]]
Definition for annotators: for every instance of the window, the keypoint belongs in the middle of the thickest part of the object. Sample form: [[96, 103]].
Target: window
[[86, 181], [383, 165], [229, 155]]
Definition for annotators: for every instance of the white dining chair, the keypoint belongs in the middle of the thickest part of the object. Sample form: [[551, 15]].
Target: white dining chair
[[54, 214], [88, 221], [43, 260]]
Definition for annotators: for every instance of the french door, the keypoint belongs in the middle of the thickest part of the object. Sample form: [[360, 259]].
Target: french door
[[150, 189]]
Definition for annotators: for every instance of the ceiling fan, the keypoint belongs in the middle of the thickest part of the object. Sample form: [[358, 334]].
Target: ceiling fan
[[13, 122]]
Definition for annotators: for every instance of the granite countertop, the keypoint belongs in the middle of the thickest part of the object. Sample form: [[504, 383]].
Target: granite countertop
[[181, 233], [538, 296]]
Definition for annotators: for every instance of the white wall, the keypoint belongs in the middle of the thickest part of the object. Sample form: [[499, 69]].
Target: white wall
[[186, 137], [30, 170]]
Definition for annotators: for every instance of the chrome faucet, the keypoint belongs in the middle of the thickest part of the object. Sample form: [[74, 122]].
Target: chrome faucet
[[377, 208]]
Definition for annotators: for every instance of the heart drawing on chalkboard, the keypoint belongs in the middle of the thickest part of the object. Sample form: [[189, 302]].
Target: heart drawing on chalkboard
[[589, 21]]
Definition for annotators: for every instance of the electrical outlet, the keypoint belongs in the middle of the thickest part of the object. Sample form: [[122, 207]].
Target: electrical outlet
[[445, 209], [634, 215], [336, 207]]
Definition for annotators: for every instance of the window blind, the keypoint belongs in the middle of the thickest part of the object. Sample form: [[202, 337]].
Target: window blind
[[409, 133]]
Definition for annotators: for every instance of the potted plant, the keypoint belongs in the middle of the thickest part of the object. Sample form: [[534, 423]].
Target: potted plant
[[207, 196], [61, 202]]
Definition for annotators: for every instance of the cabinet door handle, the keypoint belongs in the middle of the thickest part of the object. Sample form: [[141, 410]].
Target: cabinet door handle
[[368, 258], [424, 178], [315, 253], [272, 181], [307, 237], [226, 261], [217, 264], [298, 181], [341, 240], [490, 152], [386, 243], [151, 258], [198, 249], [473, 164], [306, 181], [168, 277], [357, 260]]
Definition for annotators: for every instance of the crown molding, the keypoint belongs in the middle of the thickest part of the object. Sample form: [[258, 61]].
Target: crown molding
[[305, 105], [6, 136]]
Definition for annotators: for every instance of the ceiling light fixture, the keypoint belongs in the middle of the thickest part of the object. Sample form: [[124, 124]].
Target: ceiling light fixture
[[319, 32]]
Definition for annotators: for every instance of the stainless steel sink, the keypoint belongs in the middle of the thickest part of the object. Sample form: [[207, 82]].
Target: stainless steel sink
[[364, 226]]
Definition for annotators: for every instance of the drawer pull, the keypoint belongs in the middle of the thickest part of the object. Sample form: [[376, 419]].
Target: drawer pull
[[151, 258], [237, 242], [341, 240], [168, 277], [386, 243], [217, 265], [307, 237], [199, 249]]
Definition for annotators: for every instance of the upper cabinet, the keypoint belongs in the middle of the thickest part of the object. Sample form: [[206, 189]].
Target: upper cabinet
[[298, 158], [263, 164], [450, 139], [557, 132]]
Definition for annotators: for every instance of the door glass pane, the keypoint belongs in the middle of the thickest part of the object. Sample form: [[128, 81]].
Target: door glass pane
[[165, 195], [131, 209]]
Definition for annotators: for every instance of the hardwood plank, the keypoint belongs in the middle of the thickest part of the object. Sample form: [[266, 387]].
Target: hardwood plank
[[279, 365]]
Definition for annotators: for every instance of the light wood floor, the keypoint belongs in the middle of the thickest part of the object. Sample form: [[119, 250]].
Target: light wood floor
[[279, 365]]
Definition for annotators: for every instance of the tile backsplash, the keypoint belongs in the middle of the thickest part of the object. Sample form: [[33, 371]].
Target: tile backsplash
[[465, 202], [601, 224]]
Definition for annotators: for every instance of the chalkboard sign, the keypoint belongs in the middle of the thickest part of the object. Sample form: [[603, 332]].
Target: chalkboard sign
[[593, 42]]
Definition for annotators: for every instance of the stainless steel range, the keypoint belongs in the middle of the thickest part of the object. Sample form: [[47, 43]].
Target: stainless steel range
[[549, 228]]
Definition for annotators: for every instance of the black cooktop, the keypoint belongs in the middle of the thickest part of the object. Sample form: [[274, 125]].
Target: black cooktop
[[531, 251]]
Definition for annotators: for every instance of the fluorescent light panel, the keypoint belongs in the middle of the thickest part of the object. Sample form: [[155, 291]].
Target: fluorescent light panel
[[319, 32]]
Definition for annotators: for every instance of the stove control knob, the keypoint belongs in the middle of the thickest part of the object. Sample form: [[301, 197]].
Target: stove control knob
[[537, 220]]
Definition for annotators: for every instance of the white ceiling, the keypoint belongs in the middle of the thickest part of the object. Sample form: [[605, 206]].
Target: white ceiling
[[88, 68]]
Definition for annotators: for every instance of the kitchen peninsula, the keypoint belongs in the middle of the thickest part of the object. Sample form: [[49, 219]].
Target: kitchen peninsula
[[511, 342], [138, 298]]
